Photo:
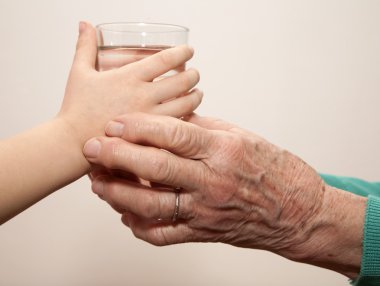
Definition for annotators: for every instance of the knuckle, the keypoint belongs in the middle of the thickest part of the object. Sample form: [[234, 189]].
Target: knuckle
[[160, 168], [229, 151], [153, 236], [153, 127], [111, 153], [237, 147], [177, 133], [111, 191], [115, 154], [234, 143], [155, 240], [148, 207], [158, 237], [164, 58], [238, 142]]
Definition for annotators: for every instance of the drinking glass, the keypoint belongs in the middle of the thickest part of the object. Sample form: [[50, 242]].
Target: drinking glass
[[122, 43]]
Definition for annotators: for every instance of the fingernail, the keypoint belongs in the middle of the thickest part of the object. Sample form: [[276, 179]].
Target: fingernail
[[82, 26], [98, 187], [115, 128], [92, 148]]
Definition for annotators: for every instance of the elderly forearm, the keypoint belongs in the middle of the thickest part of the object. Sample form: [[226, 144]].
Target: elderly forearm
[[335, 239], [36, 163]]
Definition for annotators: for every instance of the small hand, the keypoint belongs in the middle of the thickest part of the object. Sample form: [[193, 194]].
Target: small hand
[[93, 98]]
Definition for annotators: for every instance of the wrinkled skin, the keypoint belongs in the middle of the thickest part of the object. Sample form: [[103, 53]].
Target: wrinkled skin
[[237, 188]]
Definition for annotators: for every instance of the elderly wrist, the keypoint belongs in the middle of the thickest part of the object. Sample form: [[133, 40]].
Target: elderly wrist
[[336, 233]]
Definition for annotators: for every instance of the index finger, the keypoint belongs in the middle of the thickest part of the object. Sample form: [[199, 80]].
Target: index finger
[[158, 64], [179, 137], [149, 163]]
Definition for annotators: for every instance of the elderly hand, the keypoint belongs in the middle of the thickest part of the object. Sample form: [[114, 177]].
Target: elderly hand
[[236, 188]]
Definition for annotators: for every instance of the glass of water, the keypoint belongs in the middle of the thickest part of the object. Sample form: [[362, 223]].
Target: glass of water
[[123, 43]]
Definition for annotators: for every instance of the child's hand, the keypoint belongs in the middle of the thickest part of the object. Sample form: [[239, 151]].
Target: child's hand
[[93, 98]]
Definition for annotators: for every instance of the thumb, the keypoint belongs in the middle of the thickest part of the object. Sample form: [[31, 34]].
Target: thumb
[[86, 50]]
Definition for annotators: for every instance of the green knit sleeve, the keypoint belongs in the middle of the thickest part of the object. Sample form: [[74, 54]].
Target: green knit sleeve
[[370, 265]]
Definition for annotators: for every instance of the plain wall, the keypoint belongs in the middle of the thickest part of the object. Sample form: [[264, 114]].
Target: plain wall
[[304, 74]]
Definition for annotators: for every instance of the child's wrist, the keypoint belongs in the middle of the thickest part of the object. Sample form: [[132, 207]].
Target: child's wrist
[[79, 128], [75, 134]]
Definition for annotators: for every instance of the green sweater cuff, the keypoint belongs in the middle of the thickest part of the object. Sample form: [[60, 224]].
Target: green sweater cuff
[[370, 267]]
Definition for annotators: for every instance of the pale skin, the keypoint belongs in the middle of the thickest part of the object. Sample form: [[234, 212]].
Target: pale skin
[[40, 161], [237, 188]]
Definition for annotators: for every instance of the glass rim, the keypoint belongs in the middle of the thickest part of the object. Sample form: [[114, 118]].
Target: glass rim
[[176, 28]]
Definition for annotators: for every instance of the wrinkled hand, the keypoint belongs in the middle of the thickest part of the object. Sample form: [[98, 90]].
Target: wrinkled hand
[[237, 188]]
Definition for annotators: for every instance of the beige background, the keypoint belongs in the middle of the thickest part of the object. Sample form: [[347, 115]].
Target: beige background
[[304, 74]]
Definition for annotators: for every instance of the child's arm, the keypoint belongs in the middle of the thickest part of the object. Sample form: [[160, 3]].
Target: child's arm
[[48, 157], [36, 163]]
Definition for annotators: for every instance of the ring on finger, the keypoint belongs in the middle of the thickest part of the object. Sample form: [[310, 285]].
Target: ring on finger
[[177, 191]]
